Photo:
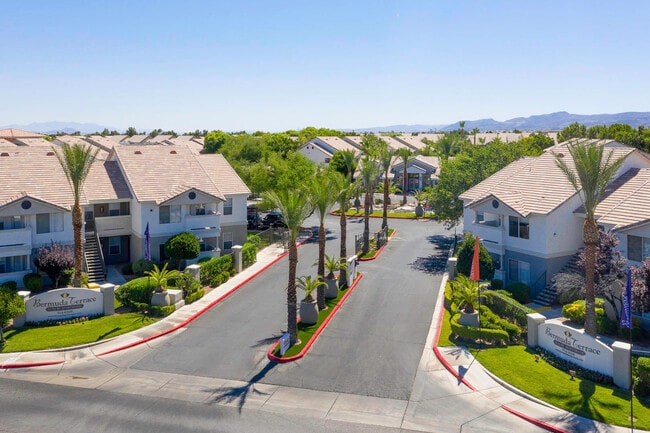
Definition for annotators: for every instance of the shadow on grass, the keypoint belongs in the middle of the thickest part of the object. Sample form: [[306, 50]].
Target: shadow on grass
[[241, 393], [106, 334]]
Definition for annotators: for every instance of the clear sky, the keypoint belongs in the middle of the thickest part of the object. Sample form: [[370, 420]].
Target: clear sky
[[278, 65]]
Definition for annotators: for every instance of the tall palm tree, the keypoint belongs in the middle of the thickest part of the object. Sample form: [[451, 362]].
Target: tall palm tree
[[294, 206], [344, 188], [322, 196], [369, 172], [385, 157], [594, 170], [474, 132], [447, 145], [76, 161], [405, 154], [350, 164]]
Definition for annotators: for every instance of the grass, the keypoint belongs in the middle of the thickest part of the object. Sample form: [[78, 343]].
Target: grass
[[54, 337], [306, 332], [372, 247], [516, 365]]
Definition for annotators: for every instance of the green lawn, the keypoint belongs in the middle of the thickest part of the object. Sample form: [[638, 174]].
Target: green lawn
[[517, 366], [54, 337]]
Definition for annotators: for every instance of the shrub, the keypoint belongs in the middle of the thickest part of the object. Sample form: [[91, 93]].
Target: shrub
[[186, 283], [575, 312], [136, 291], [11, 306], [502, 304], [254, 239], [183, 246], [139, 267], [520, 291], [194, 296], [642, 380], [127, 269], [473, 334], [496, 284], [581, 372], [216, 271], [163, 311], [54, 260], [466, 254], [248, 254], [11, 285], [33, 282], [66, 278], [490, 320]]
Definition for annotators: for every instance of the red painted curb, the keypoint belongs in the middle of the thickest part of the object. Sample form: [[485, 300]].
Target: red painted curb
[[322, 326], [366, 259], [442, 359], [535, 421], [165, 332], [30, 364]]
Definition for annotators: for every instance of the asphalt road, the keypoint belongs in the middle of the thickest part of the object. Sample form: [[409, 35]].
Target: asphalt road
[[373, 345]]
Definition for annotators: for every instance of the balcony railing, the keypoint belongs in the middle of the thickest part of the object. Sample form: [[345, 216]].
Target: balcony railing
[[203, 222], [13, 237], [113, 225]]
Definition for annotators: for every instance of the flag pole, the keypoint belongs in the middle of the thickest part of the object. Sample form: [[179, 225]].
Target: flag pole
[[626, 322]]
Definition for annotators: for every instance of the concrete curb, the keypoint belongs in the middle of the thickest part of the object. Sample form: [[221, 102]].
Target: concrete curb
[[314, 337]]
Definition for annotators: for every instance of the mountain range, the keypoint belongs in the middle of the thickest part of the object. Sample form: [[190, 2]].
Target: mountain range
[[542, 122]]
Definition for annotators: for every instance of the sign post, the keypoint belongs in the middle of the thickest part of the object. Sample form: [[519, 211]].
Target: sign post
[[284, 343]]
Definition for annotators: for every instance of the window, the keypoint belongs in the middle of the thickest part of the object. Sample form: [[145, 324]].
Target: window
[[227, 207], [114, 246], [169, 214], [13, 264], [496, 261], [518, 227], [125, 208], [638, 248], [49, 222], [12, 222], [227, 241], [113, 212], [480, 217], [518, 272], [197, 209]]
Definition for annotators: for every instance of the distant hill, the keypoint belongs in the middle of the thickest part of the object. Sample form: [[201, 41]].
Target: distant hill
[[542, 122], [65, 127]]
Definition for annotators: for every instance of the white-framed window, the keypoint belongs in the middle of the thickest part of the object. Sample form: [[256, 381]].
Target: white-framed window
[[227, 207], [227, 241], [13, 264], [518, 272], [518, 227], [12, 222], [49, 222], [114, 246], [638, 248], [169, 214]]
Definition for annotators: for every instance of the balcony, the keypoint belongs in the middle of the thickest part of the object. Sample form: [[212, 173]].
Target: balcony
[[113, 225], [203, 226], [16, 237]]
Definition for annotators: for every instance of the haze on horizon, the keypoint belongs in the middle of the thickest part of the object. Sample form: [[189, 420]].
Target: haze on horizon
[[274, 67]]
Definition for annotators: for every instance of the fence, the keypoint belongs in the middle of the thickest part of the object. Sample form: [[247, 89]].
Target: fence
[[381, 237], [358, 242]]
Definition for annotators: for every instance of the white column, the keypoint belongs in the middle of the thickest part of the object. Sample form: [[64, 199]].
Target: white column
[[534, 320]]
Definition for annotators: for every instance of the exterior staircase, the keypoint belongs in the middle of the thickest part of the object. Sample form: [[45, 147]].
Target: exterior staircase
[[94, 260], [548, 296]]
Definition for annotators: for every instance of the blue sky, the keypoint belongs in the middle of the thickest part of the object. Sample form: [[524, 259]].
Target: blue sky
[[273, 66]]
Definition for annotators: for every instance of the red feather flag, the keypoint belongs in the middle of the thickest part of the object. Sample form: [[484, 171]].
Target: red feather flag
[[474, 274]]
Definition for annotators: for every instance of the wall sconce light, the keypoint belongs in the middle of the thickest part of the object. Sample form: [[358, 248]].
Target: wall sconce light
[[101, 209]]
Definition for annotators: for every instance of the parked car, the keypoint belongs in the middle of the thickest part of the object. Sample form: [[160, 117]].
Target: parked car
[[253, 221], [272, 219]]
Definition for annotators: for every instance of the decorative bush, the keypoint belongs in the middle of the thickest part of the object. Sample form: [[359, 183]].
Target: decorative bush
[[254, 239], [473, 334], [11, 285], [520, 292], [502, 304], [66, 278], [186, 283], [496, 285], [642, 380], [216, 271], [466, 254], [183, 246], [54, 260], [249, 254], [139, 267], [158, 311], [194, 296], [136, 291], [490, 320], [564, 365], [33, 282]]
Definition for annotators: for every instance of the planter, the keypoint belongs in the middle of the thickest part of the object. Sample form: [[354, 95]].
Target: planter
[[308, 312], [160, 299], [419, 211], [332, 289], [469, 319]]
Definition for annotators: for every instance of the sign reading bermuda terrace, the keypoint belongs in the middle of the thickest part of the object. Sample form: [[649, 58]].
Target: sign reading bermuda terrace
[[577, 347], [63, 304]]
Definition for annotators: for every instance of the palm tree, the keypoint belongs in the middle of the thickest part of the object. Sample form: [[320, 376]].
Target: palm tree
[[308, 285], [369, 173], [161, 276], [76, 161], [344, 188], [447, 145], [322, 196], [294, 206], [405, 154], [474, 132], [385, 156], [593, 171]]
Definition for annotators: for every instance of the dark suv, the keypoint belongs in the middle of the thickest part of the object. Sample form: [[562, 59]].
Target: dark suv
[[253, 221], [272, 219]]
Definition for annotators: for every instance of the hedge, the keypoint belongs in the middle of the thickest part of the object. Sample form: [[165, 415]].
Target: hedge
[[216, 271], [11, 285], [492, 321], [642, 380], [520, 291], [186, 283], [502, 304], [139, 267], [195, 296], [136, 291], [473, 334], [33, 282], [248, 254]]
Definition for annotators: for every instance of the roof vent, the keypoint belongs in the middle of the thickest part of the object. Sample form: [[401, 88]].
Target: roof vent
[[560, 155], [49, 154], [137, 152], [4, 154], [173, 152]]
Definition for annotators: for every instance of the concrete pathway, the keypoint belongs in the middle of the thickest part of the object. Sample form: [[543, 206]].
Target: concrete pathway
[[466, 399]]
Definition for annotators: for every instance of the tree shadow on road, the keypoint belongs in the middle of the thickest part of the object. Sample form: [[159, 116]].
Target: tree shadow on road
[[239, 394], [266, 341], [436, 262]]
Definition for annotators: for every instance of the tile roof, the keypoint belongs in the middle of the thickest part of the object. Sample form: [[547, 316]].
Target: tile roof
[[413, 141], [4, 142], [136, 139], [393, 143], [338, 143], [105, 143], [533, 184], [32, 142], [625, 202], [155, 171], [72, 140], [18, 133], [159, 138]]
